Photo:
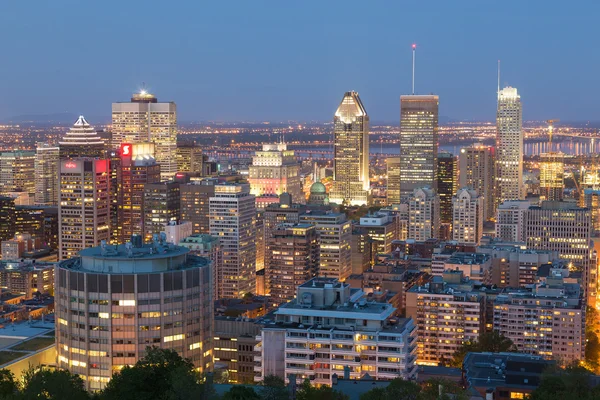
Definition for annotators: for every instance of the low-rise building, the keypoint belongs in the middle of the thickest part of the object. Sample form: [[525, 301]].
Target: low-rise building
[[475, 266], [330, 327], [233, 350], [27, 278]]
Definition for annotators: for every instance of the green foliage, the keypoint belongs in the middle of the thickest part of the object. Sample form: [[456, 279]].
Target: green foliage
[[273, 388], [592, 346], [569, 383], [493, 342], [241, 393], [408, 390], [45, 384], [8, 384], [160, 375], [308, 392]]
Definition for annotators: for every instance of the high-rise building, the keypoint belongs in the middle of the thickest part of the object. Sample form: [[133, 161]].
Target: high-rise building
[[143, 120], [590, 198], [113, 302], [351, 183], [195, 198], [232, 213], [335, 236], [17, 172], [447, 174], [7, 218], [137, 168], [509, 146], [274, 171], [190, 158], [294, 250], [510, 220], [418, 142], [552, 181], [448, 312], [477, 170], [565, 228], [467, 220], [346, 333], [46, 174], [546, 320], [161, 205], [379, 229], [393, 180], [83, 205], [82, 140], [423, 214]]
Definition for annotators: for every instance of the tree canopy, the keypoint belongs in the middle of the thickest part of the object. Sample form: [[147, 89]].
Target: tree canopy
[[569, 383], [408, 390], [493, 342]]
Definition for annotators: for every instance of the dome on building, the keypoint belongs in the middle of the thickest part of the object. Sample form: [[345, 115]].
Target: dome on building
[[317, 188]]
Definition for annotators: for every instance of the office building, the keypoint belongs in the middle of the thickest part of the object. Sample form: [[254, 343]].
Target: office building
[[351, 183], [82, 140], [552, 181], [418, 142], [448, 311], [21, 246], [335, 236], [175, 231], [7, 218], [161, 207], [136, 169], [378, 228], [590, 198], [194, 199], [509, 146], [232, 214], [393, 180], [330, 328], [234, 348], [447, 175], [190, 158], [294, 259], [112, 303], [17, 172], [145, 120], [467, 217], [547, 320], [510, 220], [567, 229], [206, 246], [423, 214], [274, 171], [477, 167], [27, 278], [46, 174], [83, 205]]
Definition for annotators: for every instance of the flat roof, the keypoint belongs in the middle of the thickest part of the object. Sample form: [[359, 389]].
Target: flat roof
[[119, 252]]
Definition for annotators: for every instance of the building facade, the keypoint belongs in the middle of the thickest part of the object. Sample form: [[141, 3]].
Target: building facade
[[161, 207], [17, 172], [82, 140], [477, 169], [127, 299], [84, 202], [46, 174], [467, 217], [393, 180], [351, 183], [510, 220], [447, 176], [423, 214], [509, 146], [552, 180], [418, 142]]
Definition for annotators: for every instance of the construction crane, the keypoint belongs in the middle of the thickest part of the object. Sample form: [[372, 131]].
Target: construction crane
[[550, 123]]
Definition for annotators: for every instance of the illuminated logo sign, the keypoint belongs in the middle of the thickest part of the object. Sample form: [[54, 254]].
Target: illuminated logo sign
[[179, 175], [70, 165], [126, 149]]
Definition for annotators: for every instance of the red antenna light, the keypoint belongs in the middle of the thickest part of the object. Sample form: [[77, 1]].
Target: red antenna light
[[414, 46]]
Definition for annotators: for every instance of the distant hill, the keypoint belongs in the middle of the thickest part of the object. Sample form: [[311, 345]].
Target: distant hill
[[56, 118]]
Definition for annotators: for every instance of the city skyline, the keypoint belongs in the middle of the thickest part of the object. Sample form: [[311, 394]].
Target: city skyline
[[292, 75]]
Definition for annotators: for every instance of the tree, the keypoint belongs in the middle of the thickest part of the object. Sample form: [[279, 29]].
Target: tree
[[308, 392], [44, 384], [8, 385], [162, 374], [573, 382], [493, 342], [241, 393], [397, 389], [449, 390], [273, 388]]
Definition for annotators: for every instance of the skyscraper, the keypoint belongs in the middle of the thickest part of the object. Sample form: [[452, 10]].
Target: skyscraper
[[190, 158], [233, 221], [82, 140], [467, 208], [477, 172], [552, 171], [137, 168], [509, 146], [144, 119], [194, 197], [274, 171], [161, 207], [393, 180], [46, 174], [418, 142], [83, 205], [510, 220], [447, 185], [17, 172], [424, 214], [351, 152]]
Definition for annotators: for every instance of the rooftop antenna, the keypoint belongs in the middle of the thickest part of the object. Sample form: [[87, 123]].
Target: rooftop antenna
[[414, 50], [498, 92]]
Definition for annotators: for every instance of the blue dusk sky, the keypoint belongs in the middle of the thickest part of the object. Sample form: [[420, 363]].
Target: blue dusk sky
[[293, 60]]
